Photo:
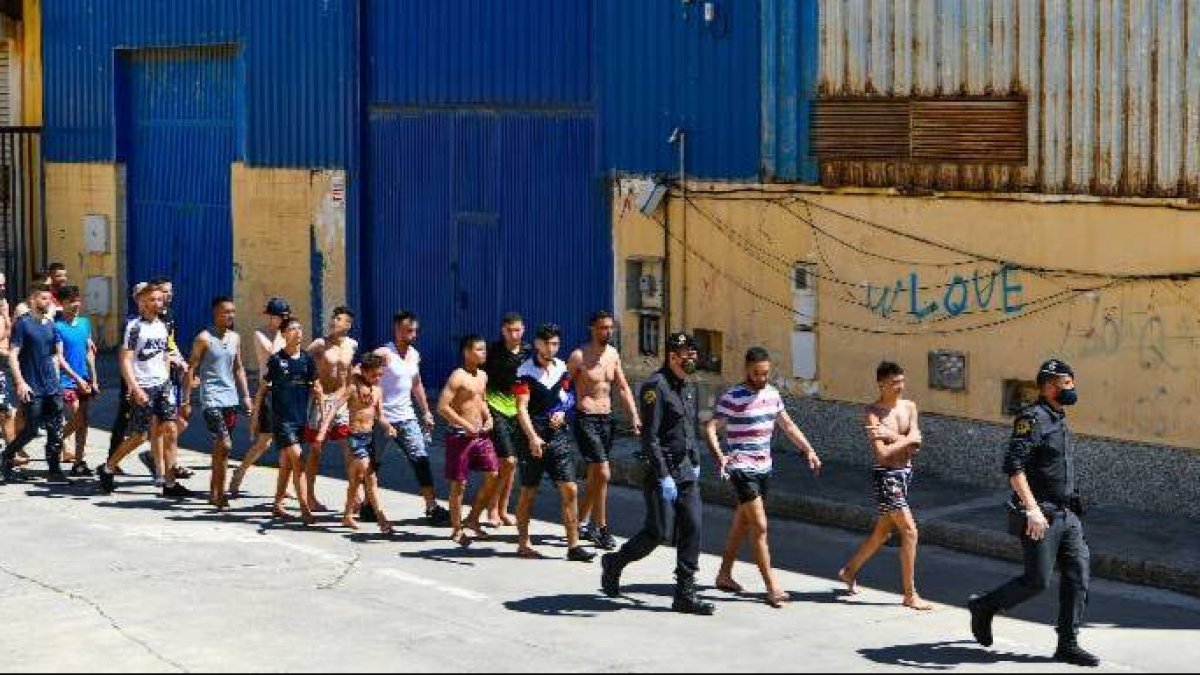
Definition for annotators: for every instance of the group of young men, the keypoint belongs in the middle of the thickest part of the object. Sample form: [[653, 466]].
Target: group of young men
[[512, 409]]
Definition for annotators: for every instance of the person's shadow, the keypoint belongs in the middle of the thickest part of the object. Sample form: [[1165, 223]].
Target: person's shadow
[[587, 605], [945, 656]]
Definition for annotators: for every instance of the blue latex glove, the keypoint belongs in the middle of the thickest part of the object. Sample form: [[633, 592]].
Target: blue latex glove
[[670, 493]]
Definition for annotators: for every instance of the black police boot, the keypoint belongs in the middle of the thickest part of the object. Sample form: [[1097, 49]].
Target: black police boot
[[1070, 652], [610, 580], [688, 602], [981, 621]]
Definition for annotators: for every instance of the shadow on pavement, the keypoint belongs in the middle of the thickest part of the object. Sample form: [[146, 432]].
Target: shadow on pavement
[[945, 656]]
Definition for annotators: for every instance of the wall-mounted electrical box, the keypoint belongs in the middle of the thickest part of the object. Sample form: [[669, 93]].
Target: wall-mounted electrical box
[[95, 233], [98, 296]]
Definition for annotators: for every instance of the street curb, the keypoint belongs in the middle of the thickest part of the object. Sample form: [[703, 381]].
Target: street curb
[[946, 533]]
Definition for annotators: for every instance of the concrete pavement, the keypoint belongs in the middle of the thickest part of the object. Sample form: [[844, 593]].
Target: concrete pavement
[[131, 582]]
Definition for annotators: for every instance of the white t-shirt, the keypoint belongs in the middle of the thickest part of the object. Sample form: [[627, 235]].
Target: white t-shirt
[[149, 342], [397, 384]]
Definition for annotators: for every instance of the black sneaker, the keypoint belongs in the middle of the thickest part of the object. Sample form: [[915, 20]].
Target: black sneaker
[[587, 532], [57, 478], [12, 476], [610, 580], [81, 470], [147, 461], [581, 555], [981, 622], [1071, 653], [605, 541], [176, 491], [437, 516], [108, 480]]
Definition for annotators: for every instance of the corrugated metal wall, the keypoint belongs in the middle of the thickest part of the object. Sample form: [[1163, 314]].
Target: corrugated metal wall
[[662, 66], [532, 53], [178, 140], [484, 190], [300, 58], [790, 56], [1113, 86]]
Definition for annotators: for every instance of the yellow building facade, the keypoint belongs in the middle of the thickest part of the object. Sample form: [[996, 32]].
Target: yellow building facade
[[825, 280]]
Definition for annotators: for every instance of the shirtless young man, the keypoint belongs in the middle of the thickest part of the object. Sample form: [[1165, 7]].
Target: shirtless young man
[[895, 438], [469, 448], [268, 340], [328, 415], [365, 402], [594, 369]]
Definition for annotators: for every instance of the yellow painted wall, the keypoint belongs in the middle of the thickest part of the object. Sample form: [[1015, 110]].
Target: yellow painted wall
[[1135, 345], [74, 191], [277, 215], [30, 49]]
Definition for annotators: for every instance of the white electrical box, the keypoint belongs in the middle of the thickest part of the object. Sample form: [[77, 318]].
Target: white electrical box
[[95, 233], [97, 296], [651, 284]]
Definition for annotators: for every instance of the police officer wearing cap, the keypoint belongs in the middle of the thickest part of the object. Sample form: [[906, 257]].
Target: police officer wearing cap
[[1044, 513], [671, 458]]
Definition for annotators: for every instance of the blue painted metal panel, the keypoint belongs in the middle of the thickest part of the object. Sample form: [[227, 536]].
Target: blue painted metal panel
[[520, 53], [661, 66], [791, 67], [472, 214], [178, 121], [300, 57]]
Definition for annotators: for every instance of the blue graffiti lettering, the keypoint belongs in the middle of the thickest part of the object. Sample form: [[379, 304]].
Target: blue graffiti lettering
[[999, 290]]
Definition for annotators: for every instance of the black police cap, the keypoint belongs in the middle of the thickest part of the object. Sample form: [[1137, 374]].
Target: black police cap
[[1055, 368], [678, 342]]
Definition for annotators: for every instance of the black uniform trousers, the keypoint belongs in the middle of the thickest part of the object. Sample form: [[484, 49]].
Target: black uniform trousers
[[657, 531], [1065, 545]]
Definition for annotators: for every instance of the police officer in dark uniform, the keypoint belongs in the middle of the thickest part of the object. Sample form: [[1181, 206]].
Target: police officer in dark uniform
[[671, 458], [1044, 513]]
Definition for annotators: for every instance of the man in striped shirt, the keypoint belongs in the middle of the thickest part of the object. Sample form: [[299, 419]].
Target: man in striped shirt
[[749, 414]]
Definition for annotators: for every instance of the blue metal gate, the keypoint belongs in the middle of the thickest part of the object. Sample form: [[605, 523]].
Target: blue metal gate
[[178, 117], [472, 214]]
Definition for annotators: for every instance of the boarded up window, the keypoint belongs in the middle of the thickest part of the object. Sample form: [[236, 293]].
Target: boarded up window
[[966, 131]]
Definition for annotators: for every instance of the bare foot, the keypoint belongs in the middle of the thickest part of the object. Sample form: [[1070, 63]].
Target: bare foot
[[385, 525], [348, 521], [478, 532], [778, 599], [851, 582], [918, 603], [727, 584], [459, 537], [235, 485], [308, 518], [507, 521], [529, 554], [279, 513], [316, 506]]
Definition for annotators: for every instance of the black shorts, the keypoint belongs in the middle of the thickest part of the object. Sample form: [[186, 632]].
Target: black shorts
[[594, 436], [750, 486], [266, 417], [221, 422], [506, 435], [288, 434], [557, 461], [891, 489], [161, 405]]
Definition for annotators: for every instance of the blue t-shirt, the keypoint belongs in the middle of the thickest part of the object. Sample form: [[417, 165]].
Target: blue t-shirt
[[291, 382], [75, 339], [39, 350]]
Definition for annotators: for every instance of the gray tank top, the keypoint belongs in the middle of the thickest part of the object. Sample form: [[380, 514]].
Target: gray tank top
[[215, 372]]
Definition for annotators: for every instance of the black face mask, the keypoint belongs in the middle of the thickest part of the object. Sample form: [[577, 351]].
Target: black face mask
[[690, 366], [1067, 397]]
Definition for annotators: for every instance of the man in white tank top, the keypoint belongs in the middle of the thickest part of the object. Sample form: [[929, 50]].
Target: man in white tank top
[[402, 386]]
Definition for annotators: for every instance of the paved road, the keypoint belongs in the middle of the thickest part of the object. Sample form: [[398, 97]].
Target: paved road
[[133, 583]]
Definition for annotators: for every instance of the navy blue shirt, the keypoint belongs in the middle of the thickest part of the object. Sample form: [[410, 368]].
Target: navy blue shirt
[[38, 343], [291, 381]]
